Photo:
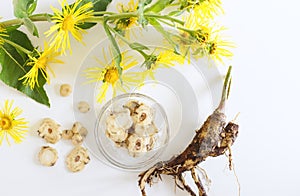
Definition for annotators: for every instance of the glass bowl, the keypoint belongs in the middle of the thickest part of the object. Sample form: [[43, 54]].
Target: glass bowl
[[120, 138]]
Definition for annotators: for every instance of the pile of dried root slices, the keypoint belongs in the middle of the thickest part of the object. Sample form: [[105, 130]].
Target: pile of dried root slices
[[76, 160]]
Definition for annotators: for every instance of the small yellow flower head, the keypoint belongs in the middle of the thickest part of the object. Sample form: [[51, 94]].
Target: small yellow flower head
[[10, 125], [126, 23], [203, 9], [108, 77], [164, 59], [40, 63], [2, 34], [67, 22], [203, 39], [218, 49]]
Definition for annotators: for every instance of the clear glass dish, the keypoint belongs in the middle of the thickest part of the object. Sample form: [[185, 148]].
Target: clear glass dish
[[117, 156]]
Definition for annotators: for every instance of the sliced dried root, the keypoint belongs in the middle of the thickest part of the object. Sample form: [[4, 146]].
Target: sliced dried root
[[65, 90], [77, 159], [77, 134], [132, 127], [83, 107], [67, 134], [47, 156], [137, 145], [50, 131]]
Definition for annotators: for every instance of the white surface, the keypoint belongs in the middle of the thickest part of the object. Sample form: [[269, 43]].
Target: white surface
[[264, 90]]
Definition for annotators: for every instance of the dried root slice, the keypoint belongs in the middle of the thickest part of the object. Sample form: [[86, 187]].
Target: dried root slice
[[78, 128], [79, 133], [67, 134], [65, 90], [77, 139], [143, 115], [138, 145], [146, 130], [117, 125], [77, 159], [83, 107], [47, 156], [50, 131], [117, 135]]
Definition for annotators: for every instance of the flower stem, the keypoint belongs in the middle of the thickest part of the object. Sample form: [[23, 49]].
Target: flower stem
[[165, 17], [19, 21], [17, 46], [128, 43]]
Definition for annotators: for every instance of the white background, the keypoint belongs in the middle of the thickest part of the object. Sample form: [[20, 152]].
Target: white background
[[265, 90]]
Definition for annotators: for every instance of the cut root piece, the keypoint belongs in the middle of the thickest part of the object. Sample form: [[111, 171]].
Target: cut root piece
[[48, 156], [77, 159]]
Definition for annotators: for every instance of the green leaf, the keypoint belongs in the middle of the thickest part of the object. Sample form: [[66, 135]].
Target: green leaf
[[98, 6], [12, 62], [24, 8], [138, 46], [31, 27], [159, 6], [176, 13], [32, 8]]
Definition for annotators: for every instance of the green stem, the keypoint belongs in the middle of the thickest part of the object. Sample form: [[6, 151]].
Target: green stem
[[111, 17], [128, 43], [18, 21], [17, 46], [103, 12], [226, 89], [165, 17], [41, 17], [12, 22], [186, 30]]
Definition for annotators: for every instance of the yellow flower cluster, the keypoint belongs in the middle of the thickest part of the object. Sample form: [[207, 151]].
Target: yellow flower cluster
[[67, 22], [202, 38]]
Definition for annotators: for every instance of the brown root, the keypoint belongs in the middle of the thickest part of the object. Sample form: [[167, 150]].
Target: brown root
[[146, 178], [205, 176], [186, 187], [199, 184]]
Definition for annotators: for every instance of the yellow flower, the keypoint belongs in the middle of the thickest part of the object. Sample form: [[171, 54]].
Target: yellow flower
[[203, 9], [164, 59], [218, 49], [107, 75], [10, 125], [124, 24], [2, 34], [67, 22], [40, 62], [208, 9], [203, 39]]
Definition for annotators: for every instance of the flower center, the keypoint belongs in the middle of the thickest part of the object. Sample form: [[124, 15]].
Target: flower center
[[126, 23], [5, 123], [42, 62], [201, 36], [111, 75], [68, 23], [212, 48]]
